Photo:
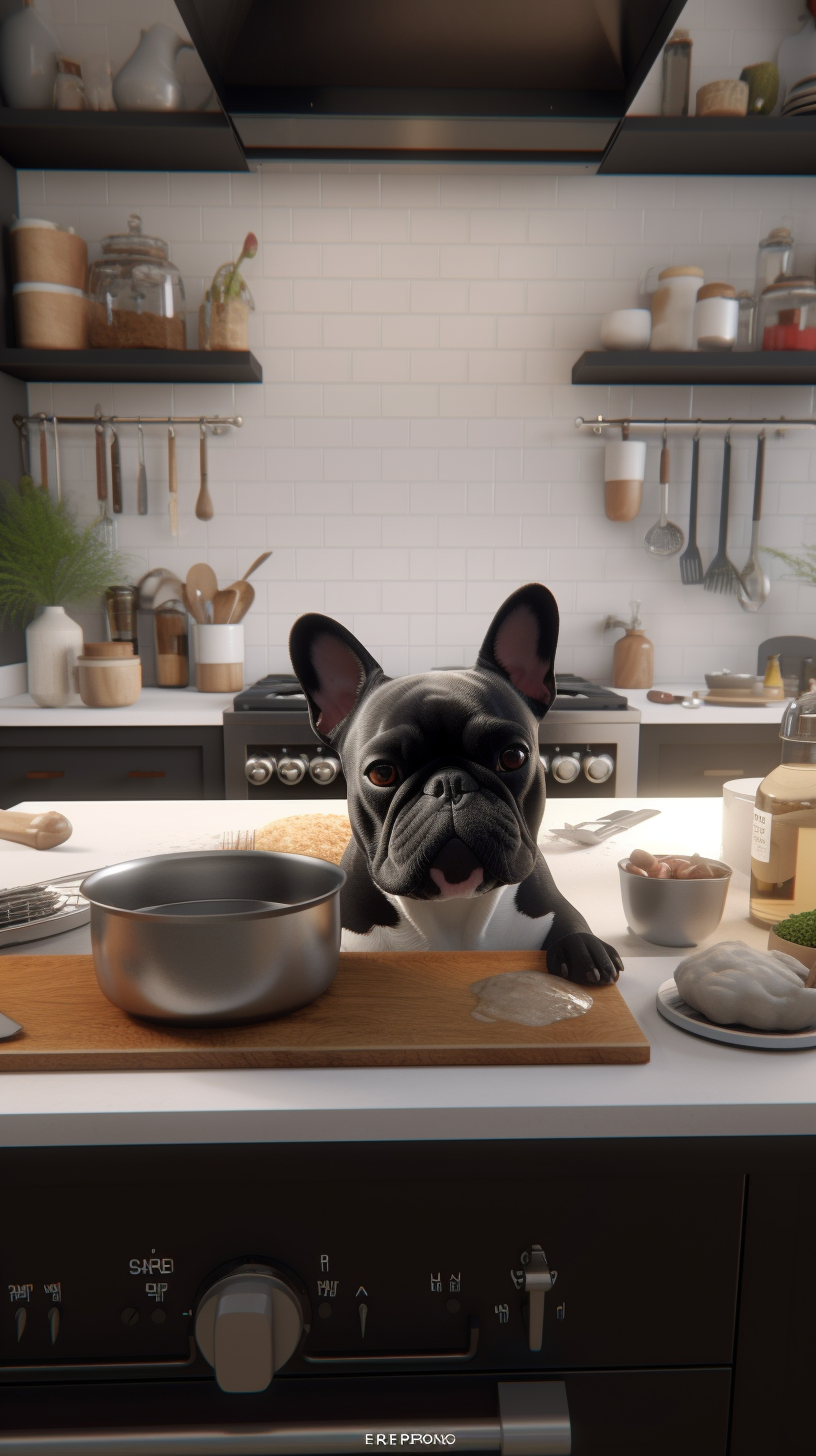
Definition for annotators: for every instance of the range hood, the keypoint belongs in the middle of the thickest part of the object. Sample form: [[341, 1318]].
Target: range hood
[[428, 80]]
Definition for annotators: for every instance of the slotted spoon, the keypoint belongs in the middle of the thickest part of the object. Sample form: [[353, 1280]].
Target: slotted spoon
[[664, 538]]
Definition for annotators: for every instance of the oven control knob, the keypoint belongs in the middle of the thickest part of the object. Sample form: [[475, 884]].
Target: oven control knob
[[247, 1325], [259, 769], [598, 767], [324, 770], [566, 767], [292, 768]]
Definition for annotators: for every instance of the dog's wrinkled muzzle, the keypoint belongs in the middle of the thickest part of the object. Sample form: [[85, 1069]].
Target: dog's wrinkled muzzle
[[452, 836]]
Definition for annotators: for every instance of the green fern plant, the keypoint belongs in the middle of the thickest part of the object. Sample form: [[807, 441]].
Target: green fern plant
[[802, 568], [46, 560]]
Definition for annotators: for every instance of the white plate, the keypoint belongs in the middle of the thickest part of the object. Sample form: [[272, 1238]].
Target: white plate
[[671, 1005], [806, 109]]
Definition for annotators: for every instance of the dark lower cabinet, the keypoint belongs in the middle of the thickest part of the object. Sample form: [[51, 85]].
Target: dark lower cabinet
[[680, 1320], [52, 764], [694, 760]]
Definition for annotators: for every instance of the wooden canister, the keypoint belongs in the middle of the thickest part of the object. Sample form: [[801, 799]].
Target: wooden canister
[[41, 252], [50, 316], [109, 682], [633, 661]]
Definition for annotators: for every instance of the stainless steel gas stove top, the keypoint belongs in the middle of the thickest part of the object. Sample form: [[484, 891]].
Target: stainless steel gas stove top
[[588, 743]]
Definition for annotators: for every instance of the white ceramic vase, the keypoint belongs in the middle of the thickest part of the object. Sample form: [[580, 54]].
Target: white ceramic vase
[[28, 60], [148, 81], [54, 641]]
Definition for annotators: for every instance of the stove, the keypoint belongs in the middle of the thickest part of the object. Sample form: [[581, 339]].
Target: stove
[[588, 743]]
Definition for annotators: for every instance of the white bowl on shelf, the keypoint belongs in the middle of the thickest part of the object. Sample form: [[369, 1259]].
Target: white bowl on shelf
[[627, 328]]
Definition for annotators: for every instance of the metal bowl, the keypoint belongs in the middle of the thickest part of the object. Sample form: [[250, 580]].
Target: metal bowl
[[674, 912], [217, 937], [744, 682]]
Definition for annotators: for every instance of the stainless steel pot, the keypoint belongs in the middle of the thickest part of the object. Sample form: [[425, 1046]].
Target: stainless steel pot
[[217, 937]]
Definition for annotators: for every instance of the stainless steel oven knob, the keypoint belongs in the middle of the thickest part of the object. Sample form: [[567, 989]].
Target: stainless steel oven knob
[[566, 767], [324, 770], [248, 1325], [259, 769], [598, 767], [292, 769]]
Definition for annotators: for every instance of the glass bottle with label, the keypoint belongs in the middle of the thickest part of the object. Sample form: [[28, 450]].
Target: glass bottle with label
[[783, 846]]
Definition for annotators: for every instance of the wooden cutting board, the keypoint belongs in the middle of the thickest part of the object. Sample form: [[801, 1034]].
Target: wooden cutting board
[[391, 1010]]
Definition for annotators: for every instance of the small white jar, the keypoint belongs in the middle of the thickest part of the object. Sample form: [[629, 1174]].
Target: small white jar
[[673, 303], [716, 317]]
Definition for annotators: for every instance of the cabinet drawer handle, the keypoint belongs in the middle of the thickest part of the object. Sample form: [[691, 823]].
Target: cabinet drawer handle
[[723, 773], [146, 773], [46, 773]]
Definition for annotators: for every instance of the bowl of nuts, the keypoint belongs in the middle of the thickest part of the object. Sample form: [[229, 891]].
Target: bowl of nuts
[[673, 899]]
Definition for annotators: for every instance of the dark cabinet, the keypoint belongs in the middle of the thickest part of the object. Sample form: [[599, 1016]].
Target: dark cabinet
[[696, 760], [52, 764]]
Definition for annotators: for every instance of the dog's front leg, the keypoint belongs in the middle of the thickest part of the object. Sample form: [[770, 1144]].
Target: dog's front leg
[[572, 950]]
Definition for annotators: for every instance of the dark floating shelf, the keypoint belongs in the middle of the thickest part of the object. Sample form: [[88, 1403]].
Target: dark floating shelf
[[121, 141], [755, 146], [131, 366], [641, 367]]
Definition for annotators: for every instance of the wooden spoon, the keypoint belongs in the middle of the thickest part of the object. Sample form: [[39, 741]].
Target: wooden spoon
[[244, 597], [223, 603], [204, 507], [259, 561], [202, 585], [38, 831]]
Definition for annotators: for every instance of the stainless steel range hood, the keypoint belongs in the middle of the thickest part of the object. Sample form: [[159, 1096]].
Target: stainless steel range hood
[[502, 80]]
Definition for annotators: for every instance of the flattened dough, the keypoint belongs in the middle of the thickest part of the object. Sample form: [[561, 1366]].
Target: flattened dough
[[530, 998]]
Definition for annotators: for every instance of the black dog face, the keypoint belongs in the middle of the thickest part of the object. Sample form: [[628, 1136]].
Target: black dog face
[[445, 785]]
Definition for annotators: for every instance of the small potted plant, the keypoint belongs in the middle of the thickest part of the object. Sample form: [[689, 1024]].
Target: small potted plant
[[223, 317], [46, 560]]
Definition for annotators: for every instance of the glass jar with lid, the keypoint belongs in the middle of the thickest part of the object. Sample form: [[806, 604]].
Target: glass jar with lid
[[136, 294], [774, 258], [787, 315], [783, 845]]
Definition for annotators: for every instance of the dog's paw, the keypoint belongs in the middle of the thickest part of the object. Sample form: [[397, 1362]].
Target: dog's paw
[[585, 959]]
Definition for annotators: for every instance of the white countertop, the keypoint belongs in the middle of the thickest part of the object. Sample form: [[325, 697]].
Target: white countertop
[[154, 708], [690, 1088], [769, 714]]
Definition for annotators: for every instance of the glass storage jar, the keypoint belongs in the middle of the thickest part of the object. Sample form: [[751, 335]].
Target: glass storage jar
[[787, 315], [774, 258], [136, 294], [172, 659]]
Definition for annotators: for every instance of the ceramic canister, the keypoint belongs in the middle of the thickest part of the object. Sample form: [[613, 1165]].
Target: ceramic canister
[[673, 304], [716, 317], [219, 653]]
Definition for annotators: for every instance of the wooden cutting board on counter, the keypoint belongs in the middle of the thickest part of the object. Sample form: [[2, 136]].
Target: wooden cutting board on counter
[[390, 1010]]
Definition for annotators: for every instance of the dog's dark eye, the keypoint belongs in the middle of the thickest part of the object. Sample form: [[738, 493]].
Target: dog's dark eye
[[512, 757], [384, 775]]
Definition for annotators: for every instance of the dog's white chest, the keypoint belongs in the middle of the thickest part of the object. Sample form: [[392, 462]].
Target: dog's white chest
[[485, 922]]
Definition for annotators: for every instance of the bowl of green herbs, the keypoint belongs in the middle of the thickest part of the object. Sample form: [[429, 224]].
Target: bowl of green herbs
[[796, 937]]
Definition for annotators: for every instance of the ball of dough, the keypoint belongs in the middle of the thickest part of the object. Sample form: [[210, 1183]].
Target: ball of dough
[[731, 983]]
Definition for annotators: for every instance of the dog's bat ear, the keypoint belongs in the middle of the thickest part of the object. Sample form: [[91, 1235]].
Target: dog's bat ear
[[333, 669], [521, 642]]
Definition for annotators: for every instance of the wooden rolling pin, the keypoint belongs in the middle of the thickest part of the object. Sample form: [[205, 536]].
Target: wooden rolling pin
[[38, 831]]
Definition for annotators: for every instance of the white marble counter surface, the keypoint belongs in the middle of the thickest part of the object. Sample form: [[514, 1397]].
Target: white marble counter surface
[[690, 1088], [769, 715], [154, 708]]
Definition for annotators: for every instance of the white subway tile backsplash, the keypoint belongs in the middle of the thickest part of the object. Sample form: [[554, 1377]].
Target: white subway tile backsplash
[[412, 455]]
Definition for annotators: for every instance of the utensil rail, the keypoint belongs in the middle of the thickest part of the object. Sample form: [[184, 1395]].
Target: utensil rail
[[601, 423]]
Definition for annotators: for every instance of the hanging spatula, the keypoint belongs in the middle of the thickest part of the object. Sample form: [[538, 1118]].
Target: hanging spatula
[[722, 574]]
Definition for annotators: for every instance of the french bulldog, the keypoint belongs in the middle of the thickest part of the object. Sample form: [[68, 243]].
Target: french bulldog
[[446, 793]]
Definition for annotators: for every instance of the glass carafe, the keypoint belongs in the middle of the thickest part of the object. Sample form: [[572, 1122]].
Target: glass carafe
[[783, 846]]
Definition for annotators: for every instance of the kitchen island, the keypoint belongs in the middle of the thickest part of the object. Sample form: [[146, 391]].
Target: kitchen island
[[670, 1197]]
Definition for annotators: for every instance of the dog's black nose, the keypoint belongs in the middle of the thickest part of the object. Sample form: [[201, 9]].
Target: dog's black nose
[[449, 785]]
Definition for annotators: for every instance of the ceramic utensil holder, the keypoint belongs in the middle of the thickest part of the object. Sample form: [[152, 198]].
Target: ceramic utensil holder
[[624, 468], [219, 650]]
